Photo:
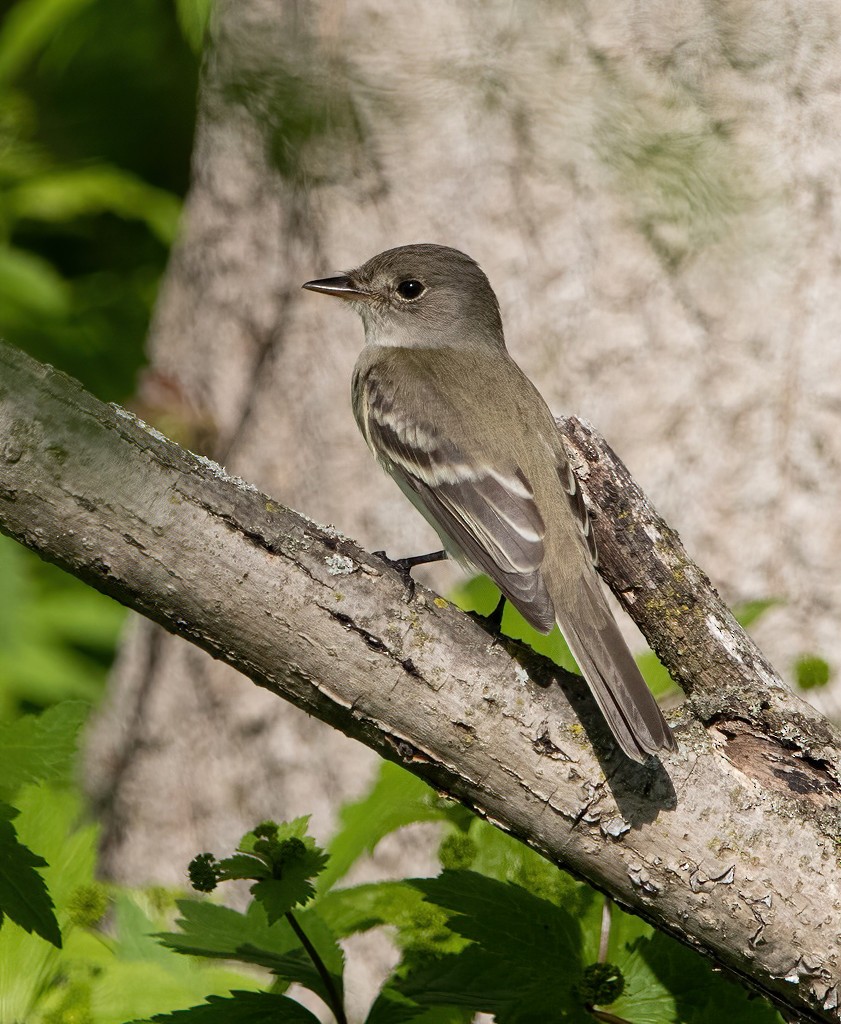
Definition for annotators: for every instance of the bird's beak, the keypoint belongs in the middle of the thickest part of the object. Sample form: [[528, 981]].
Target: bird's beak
[[341, 286]]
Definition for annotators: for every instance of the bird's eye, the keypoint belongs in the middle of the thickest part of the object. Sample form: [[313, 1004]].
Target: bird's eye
[[410, 289]]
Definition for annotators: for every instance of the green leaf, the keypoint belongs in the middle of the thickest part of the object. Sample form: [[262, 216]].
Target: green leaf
[[480, 595], [23, 893], [655, 673], [206, 929], [294, 829], [396, 799], [811, 671], [47, 823], [193, 19], [242, 1008], [294, 864], [67, 194], [219, 932], [525, 956], [392, 1007], [666, 983], [502, 857], [242, 865], [279, 895], [40, 747], [751, 611], [297, 965], [31, 286], [419, 924], [28, 26]]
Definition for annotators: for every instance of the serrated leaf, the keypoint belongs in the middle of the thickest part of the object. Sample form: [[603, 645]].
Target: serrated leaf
[[279, 896], [298, 966], [219, 932], [47, 823], [294, 829], [392, 1007], [525, 958], [419, 924], [242, 1008], [666, 983], [395, 800], [24, 898], [206, 929], [41, 747], [242, 865]]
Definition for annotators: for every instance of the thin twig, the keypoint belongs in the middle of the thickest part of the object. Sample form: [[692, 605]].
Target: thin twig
[[335, 999]]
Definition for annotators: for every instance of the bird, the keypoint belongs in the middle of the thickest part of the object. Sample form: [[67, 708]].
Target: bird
[[471, 443]]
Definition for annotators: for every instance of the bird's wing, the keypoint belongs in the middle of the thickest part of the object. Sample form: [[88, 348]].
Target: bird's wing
[[485, 516], [572, 489], [488, 517]]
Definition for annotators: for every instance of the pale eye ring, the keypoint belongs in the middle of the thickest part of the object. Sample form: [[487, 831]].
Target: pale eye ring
[[410, 289]]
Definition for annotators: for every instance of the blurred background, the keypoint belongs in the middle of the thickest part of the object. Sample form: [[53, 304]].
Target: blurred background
[[97, 114], [653, 192]]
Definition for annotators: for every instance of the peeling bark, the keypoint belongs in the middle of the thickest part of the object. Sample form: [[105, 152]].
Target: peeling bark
[[730, 844]]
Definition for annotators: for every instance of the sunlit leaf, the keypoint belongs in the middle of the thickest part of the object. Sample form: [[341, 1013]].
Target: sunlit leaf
[[65, 194]]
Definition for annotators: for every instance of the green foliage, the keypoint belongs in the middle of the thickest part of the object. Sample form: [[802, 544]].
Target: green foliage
[[88, 205], [242, 1008], [505, 933], [194, 19], [396, 799], [57, 637], [480, 595], [54, 967], [32, 750], [91, 978], [810, 672], [23, 895], [40, 748]]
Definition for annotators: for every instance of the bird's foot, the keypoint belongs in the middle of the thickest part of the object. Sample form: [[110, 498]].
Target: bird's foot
[[404, 566]]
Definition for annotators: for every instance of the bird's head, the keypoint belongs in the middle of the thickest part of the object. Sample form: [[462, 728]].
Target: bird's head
[[420, 296]]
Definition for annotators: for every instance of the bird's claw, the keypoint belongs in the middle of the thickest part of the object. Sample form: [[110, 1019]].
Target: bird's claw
[[404, 567]]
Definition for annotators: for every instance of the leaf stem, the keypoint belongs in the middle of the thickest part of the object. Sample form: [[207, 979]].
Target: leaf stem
[[334, 997], [604, 938]]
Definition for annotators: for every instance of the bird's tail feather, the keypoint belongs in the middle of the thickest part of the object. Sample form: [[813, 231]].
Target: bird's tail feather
[[608, 667]]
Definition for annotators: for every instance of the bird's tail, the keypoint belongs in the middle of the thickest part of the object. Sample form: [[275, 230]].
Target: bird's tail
[[608, 667]]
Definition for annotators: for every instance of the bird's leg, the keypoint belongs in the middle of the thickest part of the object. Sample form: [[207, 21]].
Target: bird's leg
[[405, 565], [492, 623]]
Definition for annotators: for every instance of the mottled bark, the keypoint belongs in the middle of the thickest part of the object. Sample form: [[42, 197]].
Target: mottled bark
[[730, 844]]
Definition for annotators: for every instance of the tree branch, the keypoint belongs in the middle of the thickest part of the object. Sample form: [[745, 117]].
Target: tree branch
[[731, 844]]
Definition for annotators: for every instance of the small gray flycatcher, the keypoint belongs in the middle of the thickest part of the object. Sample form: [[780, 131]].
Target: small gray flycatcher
[[471, 443]]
